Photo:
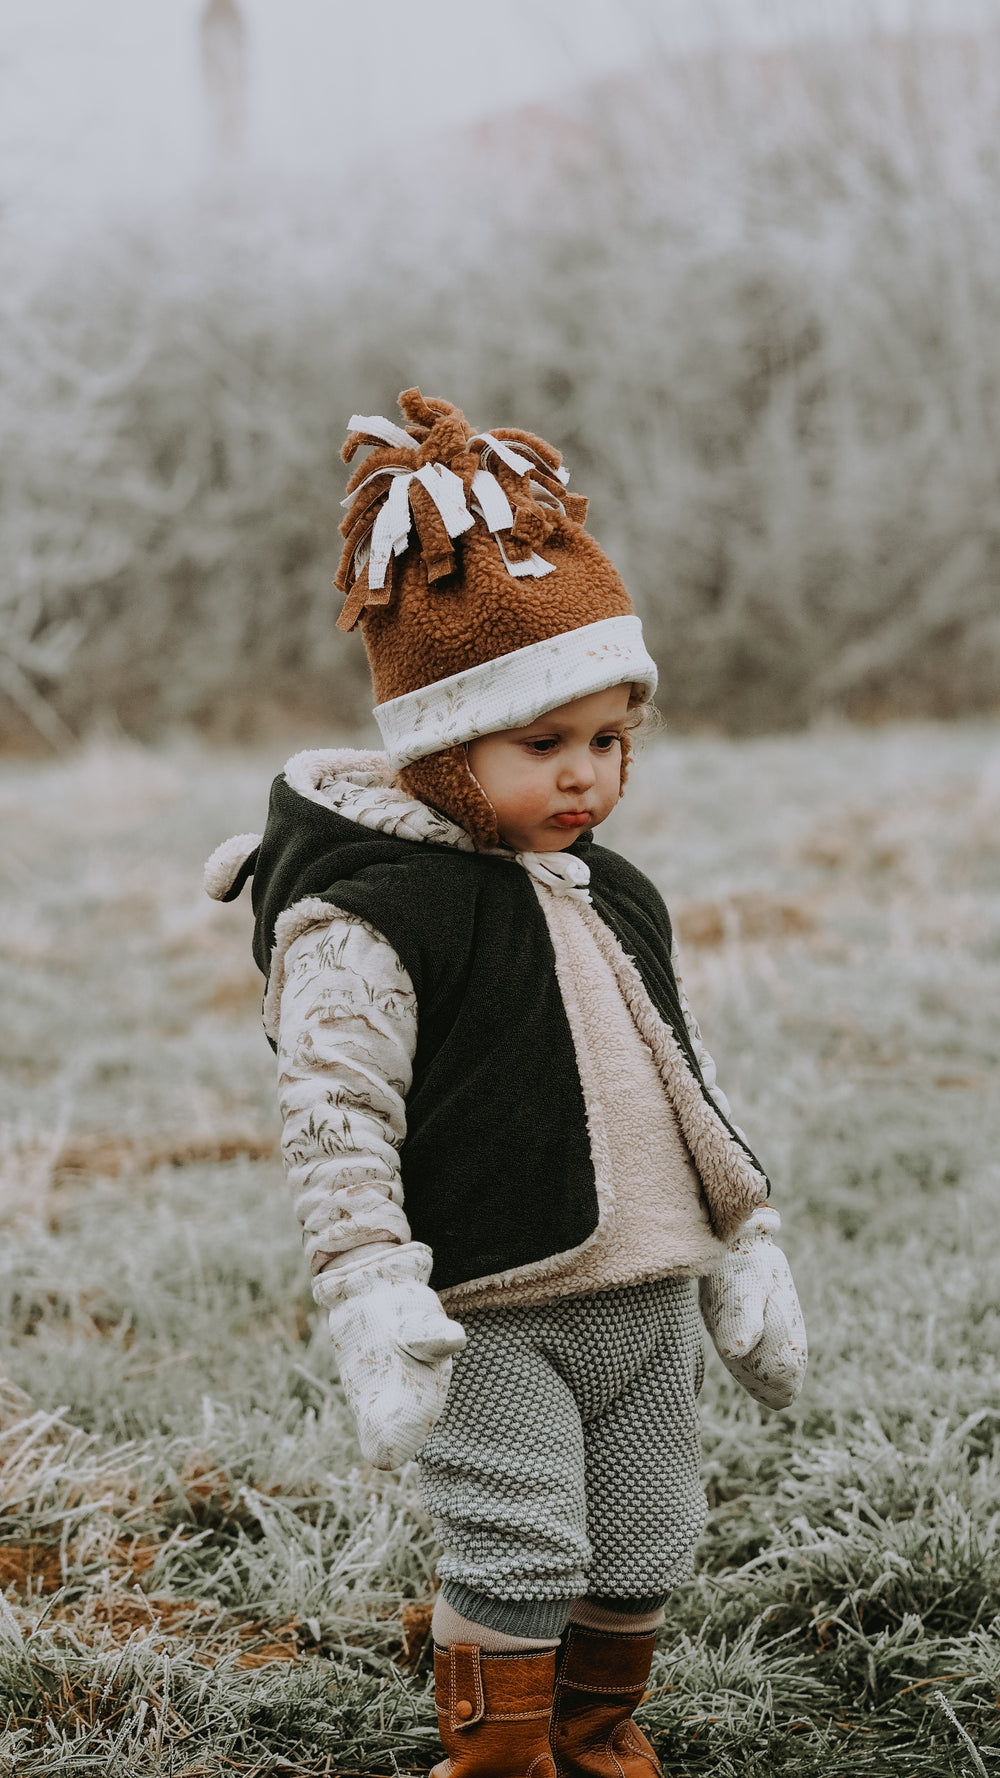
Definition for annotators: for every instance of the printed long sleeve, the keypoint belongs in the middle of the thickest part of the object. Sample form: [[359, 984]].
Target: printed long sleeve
[[347, 1038]]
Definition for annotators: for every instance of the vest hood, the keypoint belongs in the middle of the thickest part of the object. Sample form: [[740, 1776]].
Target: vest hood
[[361, 787]]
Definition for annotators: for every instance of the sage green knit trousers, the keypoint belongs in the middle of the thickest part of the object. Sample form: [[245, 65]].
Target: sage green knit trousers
[[567, 1458]]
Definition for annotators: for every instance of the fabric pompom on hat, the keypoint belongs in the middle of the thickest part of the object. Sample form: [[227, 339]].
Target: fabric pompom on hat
[[482, 600]]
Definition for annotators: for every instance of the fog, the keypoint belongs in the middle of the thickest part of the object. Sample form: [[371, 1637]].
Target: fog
[[103, 104], [738, 262]]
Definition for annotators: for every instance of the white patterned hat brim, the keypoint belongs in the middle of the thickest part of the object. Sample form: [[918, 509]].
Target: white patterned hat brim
[[516, 689]]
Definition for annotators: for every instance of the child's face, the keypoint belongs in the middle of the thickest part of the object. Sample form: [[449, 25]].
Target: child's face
[[560, 775]]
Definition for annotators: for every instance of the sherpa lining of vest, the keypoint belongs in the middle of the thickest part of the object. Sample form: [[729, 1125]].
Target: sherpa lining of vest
[[733, 1185]]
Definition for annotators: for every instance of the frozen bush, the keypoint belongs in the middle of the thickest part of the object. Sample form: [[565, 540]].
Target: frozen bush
[[753, 299]]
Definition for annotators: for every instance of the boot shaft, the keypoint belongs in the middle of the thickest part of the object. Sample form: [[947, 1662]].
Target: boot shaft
[[600, 1680], [494, 1712]]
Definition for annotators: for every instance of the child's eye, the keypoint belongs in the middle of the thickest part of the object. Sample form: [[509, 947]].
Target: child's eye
[[544, 745], [604, 743]]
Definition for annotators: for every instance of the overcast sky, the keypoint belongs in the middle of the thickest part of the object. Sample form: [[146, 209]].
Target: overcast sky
[[102, 103]]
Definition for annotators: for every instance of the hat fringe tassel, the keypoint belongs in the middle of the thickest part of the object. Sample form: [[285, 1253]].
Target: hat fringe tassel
[[442, 505]]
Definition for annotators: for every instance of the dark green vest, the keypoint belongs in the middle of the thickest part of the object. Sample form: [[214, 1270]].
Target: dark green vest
[[496, 1163]]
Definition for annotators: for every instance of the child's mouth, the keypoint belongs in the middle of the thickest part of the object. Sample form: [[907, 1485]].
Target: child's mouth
[[573, 818]]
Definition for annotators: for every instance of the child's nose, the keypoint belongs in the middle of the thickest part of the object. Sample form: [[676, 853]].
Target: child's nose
[[578, 770]]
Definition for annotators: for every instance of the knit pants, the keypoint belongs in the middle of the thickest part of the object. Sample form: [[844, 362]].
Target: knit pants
[[567, 1458]]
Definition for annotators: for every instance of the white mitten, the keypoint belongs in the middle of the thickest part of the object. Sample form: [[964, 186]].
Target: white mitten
[[394, 1345], [752, 1312]]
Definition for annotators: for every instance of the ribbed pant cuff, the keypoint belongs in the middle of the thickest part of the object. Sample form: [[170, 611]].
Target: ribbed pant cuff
[[635, 1605], [516, 1617]]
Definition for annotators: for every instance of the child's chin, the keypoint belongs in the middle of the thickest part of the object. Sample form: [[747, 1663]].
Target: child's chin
[[543, 839], [553, 842]]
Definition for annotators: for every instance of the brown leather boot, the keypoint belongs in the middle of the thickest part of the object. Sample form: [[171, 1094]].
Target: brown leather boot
[[493, 1713], [600, 1679]]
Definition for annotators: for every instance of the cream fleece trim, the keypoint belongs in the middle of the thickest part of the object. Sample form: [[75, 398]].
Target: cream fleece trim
[[600, 1147], [537, 1270], [352, 766], [732, 1184], [223, 867]]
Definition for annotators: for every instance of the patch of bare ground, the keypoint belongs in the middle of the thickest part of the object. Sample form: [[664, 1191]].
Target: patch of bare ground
[[742, 916], [97, 1157]]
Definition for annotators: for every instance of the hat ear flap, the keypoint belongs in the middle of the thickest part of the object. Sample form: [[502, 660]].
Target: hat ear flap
[[445, 782], [628, 754]]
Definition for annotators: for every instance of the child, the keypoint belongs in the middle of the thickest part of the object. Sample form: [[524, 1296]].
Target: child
[[501, 1126]]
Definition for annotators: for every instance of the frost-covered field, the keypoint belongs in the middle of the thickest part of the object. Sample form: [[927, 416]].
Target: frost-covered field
[[199, 1575]]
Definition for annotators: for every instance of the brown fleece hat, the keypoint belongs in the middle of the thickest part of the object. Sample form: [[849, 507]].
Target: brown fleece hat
[[482, 599]]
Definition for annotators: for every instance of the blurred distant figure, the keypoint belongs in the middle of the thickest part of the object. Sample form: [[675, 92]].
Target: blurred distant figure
[[224, 65]]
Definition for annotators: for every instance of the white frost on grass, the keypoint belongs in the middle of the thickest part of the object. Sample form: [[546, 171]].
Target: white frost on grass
[[188, 1539]]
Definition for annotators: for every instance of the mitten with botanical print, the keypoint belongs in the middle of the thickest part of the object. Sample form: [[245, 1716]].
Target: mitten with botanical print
[[751, 1309], [394, 1345]]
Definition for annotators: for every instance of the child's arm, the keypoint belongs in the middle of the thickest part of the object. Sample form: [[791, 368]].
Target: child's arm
[[346, 1043]]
